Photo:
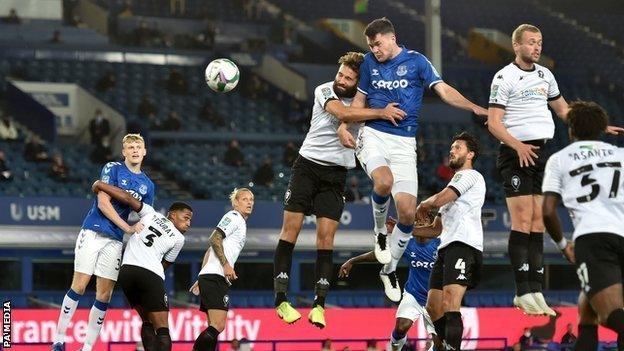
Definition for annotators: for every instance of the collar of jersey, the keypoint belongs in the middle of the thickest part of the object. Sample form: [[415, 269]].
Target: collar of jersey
[[524, 70], [129, 170]]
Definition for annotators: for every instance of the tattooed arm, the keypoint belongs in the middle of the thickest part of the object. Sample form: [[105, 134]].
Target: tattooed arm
[[216, 241]]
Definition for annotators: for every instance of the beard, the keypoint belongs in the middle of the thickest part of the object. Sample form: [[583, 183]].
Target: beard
[[457, 163], [343, 92], [529, 58]]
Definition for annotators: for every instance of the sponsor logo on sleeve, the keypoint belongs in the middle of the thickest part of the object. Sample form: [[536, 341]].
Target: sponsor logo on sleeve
[[326, 92]]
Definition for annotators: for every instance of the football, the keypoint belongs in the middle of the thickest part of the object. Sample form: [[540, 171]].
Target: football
[[222, 75]]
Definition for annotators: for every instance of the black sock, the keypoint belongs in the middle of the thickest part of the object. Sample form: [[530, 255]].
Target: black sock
[[164, 339], [323, 272], [207, 340], [587, 338], [615, 322], [282, 262], [454, 329], [518, 249], [148, 337], [440, 327], [536, 261]]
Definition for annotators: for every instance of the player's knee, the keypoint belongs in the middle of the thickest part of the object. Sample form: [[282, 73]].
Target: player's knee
[[522, 219], [602, 318], [537, 227], [588, 319], [434, 311], [383, 185], [80, 282], [104, 295], [402, 326], [407, 214], [289, 233], [160, 321], [522, 226], [449, 304], [79, 288], [218, 325], [325, 241]]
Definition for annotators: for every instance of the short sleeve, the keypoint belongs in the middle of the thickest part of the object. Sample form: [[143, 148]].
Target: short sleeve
[[323, 94], [427, 73], [146, 210], [463, 181], [499, 91], [228, 224], [553, 88], [552, 176], [364, 79], [172, 254], [109, 173]]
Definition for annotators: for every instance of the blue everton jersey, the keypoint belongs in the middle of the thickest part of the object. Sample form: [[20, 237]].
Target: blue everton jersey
[[117, 174], [402, 80], [421, 257]]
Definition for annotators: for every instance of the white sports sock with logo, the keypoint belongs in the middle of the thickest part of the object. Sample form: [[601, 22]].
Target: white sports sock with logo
[[70, 303], [96, 319], [380, 212]]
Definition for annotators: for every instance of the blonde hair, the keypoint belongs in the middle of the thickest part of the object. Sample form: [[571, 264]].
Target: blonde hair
[[516, 36], [352, 60], [129, 138], [236, 192]]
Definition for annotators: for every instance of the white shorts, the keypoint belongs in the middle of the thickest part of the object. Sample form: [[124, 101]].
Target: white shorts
[[377, 149], [97, 254], [410, 309]]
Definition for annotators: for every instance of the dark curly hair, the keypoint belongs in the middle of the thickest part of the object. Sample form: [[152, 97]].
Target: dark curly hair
[[587, 120]]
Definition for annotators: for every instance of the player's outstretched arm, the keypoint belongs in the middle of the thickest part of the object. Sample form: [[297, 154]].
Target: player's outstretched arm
[[561, 108], [454, 98], [392, 113], [435, 201], [553, 225], [117, 194], [345, 269], [429, 231]]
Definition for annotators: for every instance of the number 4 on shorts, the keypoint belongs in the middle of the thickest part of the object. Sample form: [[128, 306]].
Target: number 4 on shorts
[[461, 265]]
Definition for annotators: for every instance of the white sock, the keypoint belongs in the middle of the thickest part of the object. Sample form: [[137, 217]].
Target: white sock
[[96, 319], [398, 243], [397, 344], [380, 212], [70, 303]]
